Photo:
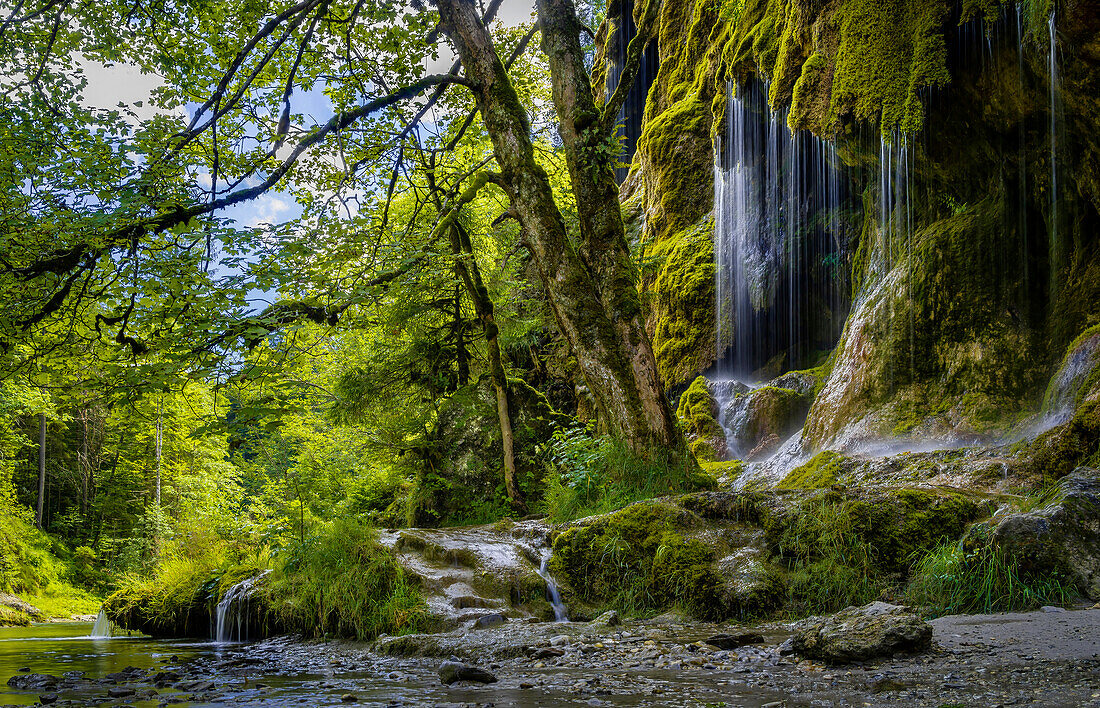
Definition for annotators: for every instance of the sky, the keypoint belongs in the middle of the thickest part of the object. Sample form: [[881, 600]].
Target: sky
[[107, 86], [110, 85]]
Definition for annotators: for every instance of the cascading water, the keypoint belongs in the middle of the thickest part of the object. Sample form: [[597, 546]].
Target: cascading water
[[232, 611], [1055, 96], [102, 627], [778, 284], [630, 115], [560, 614]]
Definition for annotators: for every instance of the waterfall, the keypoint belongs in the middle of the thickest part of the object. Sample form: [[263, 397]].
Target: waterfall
[[778, 282], [552, 588], [629, 118], [102, 627], [1055, 92], [232, 610]]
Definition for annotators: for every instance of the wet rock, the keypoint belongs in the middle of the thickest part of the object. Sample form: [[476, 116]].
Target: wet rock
[[73, 675], [1062, 535], [735, 639], [547, 653], [47, 698], [763, 417], [560, 640], [491, 620], [348, 698], [21, 605], [610, 618], [120, 692], [454, 671], [860, 633], [33, 682]]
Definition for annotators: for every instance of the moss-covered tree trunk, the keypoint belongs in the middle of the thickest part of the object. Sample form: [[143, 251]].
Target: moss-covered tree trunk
[[591, 286]]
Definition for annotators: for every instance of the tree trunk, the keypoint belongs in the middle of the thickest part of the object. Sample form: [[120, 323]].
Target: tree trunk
[[160, 439], [591, 287], [467, 269], [40, 514]]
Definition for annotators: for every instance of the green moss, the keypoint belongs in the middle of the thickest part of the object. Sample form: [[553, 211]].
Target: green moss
[[807, 102], [821, 471], [10, 617], [682, 302], [638, 561], [1090, 380]]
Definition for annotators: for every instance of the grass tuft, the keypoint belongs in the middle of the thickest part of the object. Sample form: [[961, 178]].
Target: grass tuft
[[951, 580]]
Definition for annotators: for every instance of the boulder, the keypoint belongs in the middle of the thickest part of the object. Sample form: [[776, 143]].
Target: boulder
[[454, 671], [21, 605], [860, 633], [32, 682], [732, 640], [1063, 535], [610, 618]]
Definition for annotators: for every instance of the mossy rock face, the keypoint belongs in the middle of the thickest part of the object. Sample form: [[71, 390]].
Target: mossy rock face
[[892, 524], [955, 321], [11, 617], [463, 479], [760, 419], [820, 472], [1076, 377], [640, 559], [1063, 536], [187, 607], [698, 412]]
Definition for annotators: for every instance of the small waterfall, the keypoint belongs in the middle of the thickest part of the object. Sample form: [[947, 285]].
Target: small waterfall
[[778, 282], [1055, 96], [232, 611], [102, 627], [629, 119], [552, 588]]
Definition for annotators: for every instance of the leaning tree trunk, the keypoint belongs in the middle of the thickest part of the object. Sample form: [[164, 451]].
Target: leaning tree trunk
[[591, 287], [40, 517], [467, 269]]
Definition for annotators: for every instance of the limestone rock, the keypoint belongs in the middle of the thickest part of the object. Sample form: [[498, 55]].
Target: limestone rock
[[732, 640], [1062, 535], [610, 618], [454, 671], [21, 605], [860, 633]]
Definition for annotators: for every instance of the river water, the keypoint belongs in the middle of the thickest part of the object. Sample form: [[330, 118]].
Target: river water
[[291, 672]]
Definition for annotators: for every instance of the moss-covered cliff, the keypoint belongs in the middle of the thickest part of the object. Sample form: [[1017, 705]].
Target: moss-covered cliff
[[969, 277]]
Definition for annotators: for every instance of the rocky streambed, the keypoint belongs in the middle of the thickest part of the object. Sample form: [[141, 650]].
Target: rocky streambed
[[1044, 658]]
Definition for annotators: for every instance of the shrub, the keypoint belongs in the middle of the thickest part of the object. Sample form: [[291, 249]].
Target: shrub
[[950, 580], [340, 582], [597, 474]]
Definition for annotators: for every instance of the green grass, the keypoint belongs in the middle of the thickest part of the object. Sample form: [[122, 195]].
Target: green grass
[[342, 583], [951, 580], [830, 565], [591, 475], [62, 601]]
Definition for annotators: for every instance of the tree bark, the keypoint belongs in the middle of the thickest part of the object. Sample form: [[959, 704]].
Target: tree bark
[[591, 285], [160, 440], [40, 512], [467, 269]]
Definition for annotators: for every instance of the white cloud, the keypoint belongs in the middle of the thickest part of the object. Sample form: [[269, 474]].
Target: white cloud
[[269, 209]]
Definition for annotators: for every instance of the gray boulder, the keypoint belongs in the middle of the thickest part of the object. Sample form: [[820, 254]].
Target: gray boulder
[[454, 671], [861, 633], [1063, 535]]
